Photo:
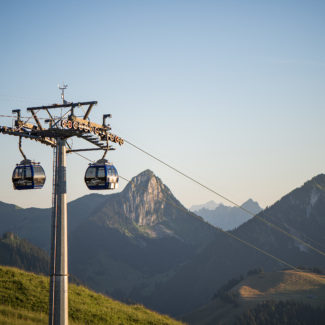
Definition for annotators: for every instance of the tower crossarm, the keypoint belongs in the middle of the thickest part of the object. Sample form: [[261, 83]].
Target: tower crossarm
[[28, 134], [71, 105]]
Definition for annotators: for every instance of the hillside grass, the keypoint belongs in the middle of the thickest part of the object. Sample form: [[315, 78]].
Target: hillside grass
[[304, 287], [24, 300], [12, 316]]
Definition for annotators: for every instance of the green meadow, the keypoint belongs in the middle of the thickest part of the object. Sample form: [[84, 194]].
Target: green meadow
[[24, 300]]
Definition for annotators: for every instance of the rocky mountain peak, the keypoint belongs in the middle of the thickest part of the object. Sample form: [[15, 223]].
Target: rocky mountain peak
[[141, 203], [144, 199], [144, 176], [146, 207], [146, 183]]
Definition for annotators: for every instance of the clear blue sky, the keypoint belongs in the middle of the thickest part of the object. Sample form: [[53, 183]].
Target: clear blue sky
[[230, 92]]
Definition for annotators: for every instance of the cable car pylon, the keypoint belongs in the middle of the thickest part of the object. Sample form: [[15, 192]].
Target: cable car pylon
[[30, 175]]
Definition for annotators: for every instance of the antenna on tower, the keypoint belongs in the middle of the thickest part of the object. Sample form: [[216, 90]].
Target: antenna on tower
[[62, 88]]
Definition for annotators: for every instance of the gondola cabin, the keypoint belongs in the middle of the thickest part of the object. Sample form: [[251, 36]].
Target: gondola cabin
[[28, 175], [101, 175]]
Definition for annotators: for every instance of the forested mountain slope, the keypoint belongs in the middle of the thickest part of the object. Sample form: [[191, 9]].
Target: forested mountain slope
[[20, 253]]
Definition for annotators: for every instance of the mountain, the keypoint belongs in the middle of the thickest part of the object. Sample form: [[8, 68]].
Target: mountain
[[226, 217], [210, 205], [24, 300], [136, 238], [147, 207], [18, 252], [300, 213], [242, 297]]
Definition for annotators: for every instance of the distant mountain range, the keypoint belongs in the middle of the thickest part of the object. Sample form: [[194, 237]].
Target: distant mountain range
[[210, 205], [226, 217], [143, 245]]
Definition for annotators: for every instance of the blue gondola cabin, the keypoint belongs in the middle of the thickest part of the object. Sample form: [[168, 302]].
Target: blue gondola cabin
[[101, 176], [28, 175]]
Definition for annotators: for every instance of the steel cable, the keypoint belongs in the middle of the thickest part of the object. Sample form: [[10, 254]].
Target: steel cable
[[227, 199]]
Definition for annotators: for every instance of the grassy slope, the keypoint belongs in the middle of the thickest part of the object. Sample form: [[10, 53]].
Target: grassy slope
[[24, 300], [285, 285], [278, 286]]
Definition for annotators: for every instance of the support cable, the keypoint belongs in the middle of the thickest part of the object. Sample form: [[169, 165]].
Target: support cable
[[82, 156], [227, 199]]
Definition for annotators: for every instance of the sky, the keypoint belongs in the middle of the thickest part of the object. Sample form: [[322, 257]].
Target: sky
[[229, 92]]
